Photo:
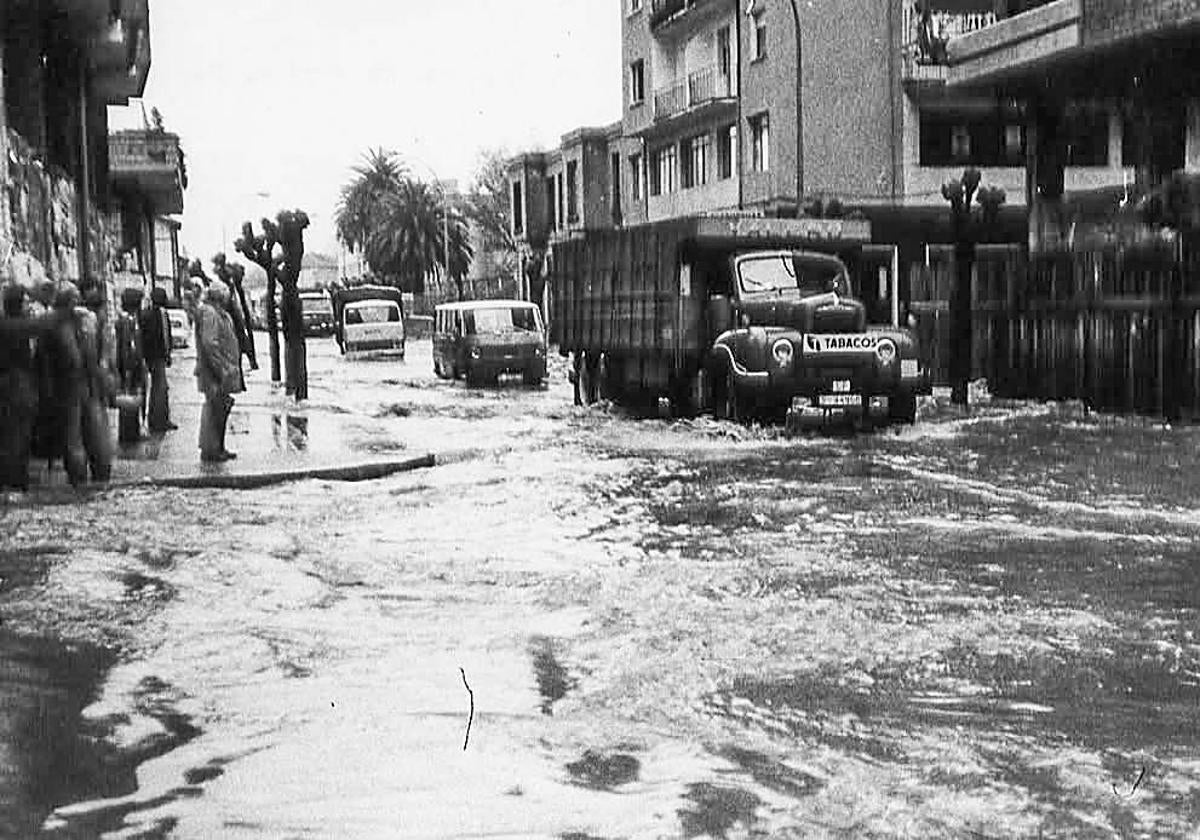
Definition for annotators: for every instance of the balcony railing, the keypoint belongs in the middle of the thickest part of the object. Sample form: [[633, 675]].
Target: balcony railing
[[702, 86], [151, 162], [925, 38], [662, 11], [136, 151]]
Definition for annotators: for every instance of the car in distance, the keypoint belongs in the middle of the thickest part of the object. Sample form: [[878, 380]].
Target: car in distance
[[316, 310], [484, 339]]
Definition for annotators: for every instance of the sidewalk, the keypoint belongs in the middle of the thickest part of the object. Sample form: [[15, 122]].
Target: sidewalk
[[275, 441]]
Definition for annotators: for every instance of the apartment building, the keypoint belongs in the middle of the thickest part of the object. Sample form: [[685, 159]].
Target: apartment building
[[729, 115], [746, 105], [1142, 56]]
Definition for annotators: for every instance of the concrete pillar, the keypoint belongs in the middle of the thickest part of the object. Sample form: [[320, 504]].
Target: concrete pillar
[[6, 240], [1191, 155], [1044, 174]]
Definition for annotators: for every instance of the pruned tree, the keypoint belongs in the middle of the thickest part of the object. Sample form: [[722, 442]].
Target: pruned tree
[[260, 249], [232, 274], [290, 233]]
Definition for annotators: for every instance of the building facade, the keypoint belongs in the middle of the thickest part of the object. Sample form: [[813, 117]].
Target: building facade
[[147, 179], [62, 62], [763, 105], [1143, 56]]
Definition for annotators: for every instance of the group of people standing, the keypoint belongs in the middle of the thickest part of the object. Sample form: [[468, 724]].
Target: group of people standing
[[65, 363]]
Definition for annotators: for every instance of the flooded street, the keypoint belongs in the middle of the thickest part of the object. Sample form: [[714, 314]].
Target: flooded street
[[585, 625]]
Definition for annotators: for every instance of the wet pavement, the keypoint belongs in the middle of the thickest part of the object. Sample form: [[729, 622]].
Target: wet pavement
[[274, 438], [983, 626]]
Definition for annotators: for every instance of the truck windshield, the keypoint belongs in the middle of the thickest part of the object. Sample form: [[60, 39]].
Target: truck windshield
[[499, 320], [316, 305], [372, 313], [803, 274]]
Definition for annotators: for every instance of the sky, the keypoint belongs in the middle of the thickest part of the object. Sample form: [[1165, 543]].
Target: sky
[[275, 100]]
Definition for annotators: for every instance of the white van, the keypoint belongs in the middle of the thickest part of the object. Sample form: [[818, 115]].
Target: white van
[[374, 324]]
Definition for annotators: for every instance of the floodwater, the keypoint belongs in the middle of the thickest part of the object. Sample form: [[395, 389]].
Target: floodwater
[[584, 625]]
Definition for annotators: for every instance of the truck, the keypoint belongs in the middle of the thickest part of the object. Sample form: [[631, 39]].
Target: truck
[[317, 312], [369, 318], [743, 317]]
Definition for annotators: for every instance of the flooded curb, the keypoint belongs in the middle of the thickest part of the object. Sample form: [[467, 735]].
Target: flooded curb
[[253, 481]]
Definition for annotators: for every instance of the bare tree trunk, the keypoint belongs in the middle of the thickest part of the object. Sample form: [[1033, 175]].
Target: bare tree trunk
[[273, 325]]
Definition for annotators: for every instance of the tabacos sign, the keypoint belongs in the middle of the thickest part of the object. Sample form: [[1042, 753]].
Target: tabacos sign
[[840, 343]]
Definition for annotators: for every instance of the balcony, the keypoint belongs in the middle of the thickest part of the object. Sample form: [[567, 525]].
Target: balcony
[[150, 163], [700, 89], [670, 19], [662, 11], [1022, 45], [924, 52]]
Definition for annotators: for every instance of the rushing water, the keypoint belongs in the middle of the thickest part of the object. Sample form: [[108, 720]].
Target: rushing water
[[983, 626]]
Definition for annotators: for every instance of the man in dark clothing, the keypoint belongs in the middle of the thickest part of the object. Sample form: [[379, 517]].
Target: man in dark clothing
[[67, 386], [18, 389], [156, 344], [131, 367]]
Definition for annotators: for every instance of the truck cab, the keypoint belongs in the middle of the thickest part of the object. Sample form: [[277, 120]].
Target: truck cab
[[792, 340]]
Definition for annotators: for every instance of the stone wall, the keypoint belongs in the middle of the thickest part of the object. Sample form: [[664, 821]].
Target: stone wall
[[42, 206]]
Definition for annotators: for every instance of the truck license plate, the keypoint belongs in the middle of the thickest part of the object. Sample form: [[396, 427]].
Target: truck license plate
[[839, 400]]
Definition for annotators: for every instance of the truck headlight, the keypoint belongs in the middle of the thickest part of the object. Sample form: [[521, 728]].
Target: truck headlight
[[885, 350], [783, 352]]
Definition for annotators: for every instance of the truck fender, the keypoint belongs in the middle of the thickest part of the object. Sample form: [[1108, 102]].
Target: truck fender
[[725, 358]]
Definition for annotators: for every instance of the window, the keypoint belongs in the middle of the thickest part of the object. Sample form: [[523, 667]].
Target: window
[[551, 216], [760, 35], [694, 156], [970, 140], [518, 209], [636, 178], [960, 143], [637, 82], [572, 191], [662, 170], [614, 176], [726, 152], [760, 143], [635, 6], [724, 62], [1014, 145], [559, 195], [1085, 134]]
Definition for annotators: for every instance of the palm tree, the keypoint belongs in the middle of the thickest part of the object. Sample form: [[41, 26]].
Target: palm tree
[[461, 251], [408, 242], [381, 174]]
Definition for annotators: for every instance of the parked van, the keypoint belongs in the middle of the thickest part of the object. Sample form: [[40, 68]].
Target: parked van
[[483, 339], [369, 318]]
